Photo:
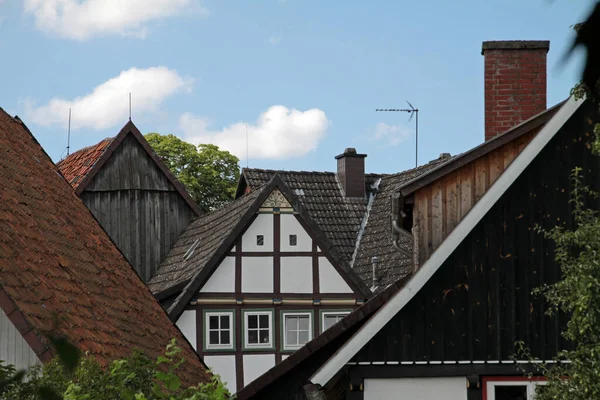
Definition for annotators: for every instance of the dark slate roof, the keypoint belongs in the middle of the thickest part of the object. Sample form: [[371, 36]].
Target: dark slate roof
[[338, 217], [56, 261], [210, 231], [376, 239]]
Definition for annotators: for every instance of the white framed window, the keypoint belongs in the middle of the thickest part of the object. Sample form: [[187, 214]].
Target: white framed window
[[297, 329], [510, 388], [330, 318], [258, 327], [219, 329]]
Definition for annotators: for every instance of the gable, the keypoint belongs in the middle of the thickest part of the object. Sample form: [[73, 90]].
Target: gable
[[130, 167]]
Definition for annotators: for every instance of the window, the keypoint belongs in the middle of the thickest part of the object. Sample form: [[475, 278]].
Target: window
[[219, 330], [258, 329], [293, 240], [331, 318], [510, 388], [260, 240], [297, 330]]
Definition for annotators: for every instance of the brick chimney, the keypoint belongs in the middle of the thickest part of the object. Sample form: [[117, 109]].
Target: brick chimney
[[515, 83], [351, 172]]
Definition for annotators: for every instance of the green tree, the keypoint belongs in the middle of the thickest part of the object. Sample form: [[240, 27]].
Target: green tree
[[209, 173]]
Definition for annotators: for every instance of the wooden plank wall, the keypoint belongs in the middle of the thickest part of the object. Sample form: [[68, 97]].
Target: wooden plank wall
[[13, 348], [138, 207], [441, 205]]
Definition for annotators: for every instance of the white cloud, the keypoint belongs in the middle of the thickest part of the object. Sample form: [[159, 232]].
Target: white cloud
[[275, 40], [392, 135], [278, 133], [108, 104], [83, 19]]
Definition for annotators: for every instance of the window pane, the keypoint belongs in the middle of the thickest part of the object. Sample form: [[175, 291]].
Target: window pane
[[260, 239], [303, 323], [293, 240], [517, 392], [253, 337], [213, 337], [213, 322], [224, 321], [224, 337], [264, 335], [292, 323], [264, 321], [252, 321], [291, 338], [302, 337]]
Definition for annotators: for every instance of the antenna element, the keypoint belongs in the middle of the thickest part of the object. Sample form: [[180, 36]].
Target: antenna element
[[69, 134], [412, 111], [130, 106]]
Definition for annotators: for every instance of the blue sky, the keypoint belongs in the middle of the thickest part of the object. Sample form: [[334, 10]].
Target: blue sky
[[304, 76]]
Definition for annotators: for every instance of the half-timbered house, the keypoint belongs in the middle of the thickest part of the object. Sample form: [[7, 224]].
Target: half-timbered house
[[133, 195], [60, 273], [451, 326]]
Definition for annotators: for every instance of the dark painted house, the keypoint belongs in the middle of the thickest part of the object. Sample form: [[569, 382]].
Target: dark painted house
[[133, 195], [449, 327]]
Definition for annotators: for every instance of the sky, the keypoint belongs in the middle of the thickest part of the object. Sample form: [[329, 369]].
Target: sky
[[300, 78]]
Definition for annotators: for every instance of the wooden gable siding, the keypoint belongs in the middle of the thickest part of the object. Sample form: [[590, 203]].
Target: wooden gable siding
[[13, 348], [479, 303], [137, 206], [441, 205]]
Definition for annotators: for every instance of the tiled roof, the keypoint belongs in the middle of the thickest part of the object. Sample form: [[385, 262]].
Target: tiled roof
[[376, 239], [207, 232], [55, 260], [76, 165], [338, 217]]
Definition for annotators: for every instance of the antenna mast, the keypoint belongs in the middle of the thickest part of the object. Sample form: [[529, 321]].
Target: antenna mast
[[247, 162], [130, 106], [412, 111], [69, 134]]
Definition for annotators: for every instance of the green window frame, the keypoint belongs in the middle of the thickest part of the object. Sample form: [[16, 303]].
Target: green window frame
[[292, 338], [330, 313]]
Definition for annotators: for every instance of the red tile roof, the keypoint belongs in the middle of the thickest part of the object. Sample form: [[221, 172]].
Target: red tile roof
[[75, 166], [55, 260]]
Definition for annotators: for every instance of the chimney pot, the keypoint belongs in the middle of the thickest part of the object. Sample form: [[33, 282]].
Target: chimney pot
[[351, 172], [515, 82]]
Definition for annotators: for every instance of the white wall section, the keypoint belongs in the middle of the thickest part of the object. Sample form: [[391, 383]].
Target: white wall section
[[257, 364], [225, 367], [262, 225], [290, 226], [454, 388], [330, 281], [257, 274], [223, 279], [296, 275], [13, 348], [187, 324]]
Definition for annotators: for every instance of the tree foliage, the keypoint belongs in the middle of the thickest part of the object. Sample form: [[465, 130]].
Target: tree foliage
[[209, 174], [136, 377]]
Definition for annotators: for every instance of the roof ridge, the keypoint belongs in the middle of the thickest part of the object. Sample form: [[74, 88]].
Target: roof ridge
[[89, 147]]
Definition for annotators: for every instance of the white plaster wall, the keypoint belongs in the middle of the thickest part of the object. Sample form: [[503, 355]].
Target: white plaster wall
[[262, 225], [296, 275], [257, 274], [187, 324], [454, 388], [283, 357], [290, 226], [330, 281], [225, 367], [223, 279], [13, 348], [257, 364]]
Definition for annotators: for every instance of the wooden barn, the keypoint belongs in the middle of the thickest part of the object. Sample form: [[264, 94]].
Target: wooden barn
[[450, 327], [58, 264], [133, 195]]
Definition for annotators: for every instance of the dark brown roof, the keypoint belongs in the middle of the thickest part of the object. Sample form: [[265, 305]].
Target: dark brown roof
[[338, 217], [80, 167], [376, 239], [56, 260], [77, 165], [177, 276]]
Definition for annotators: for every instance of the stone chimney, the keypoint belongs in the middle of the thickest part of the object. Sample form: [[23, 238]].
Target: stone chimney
[[351, 172], [515, 83]]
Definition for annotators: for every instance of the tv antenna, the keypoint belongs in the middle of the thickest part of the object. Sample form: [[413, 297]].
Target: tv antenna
[[130, 106], [69, 134], [412, 111], [247, 162]]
